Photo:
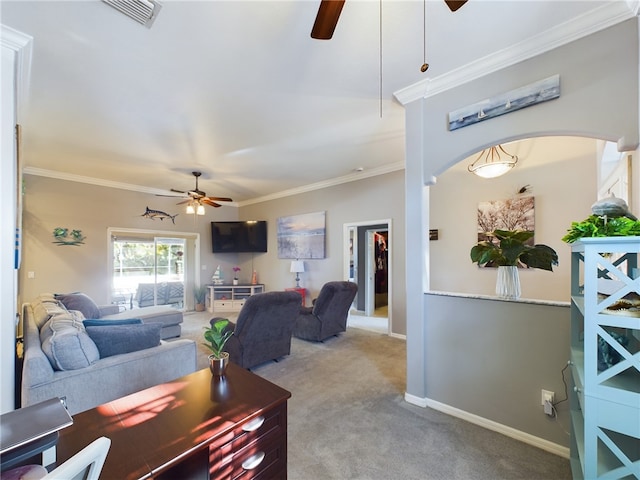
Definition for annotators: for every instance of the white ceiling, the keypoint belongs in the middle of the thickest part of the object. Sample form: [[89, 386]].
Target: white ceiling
[[239, 90]]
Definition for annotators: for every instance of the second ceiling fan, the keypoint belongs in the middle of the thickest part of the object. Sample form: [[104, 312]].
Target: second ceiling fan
[[329, 13]]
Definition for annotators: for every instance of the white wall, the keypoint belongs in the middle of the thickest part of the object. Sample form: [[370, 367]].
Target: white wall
[[7, 234], [16, 59]]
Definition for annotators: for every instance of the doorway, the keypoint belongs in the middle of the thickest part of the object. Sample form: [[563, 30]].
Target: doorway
[[367, 262]]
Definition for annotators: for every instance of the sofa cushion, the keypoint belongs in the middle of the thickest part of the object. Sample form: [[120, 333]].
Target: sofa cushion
[[43, 307], [66, 344], [80, 301], [100, 322], [117, 339]]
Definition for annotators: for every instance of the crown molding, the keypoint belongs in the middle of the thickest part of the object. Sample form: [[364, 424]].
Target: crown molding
[[22, 45], [590, 22], [70, 177], [352, 177]]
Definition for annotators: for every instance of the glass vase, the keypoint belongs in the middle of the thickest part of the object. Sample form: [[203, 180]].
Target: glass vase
[[508, 282]]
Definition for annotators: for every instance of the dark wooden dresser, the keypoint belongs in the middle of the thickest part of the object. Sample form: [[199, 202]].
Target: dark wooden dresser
[[195, 427]]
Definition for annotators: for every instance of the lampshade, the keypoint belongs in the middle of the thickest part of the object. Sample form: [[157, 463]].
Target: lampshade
[[490, 164], [195, 207], [297, 266]]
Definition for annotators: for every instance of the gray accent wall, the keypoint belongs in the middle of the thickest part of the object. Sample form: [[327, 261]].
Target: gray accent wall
[[599, 98]]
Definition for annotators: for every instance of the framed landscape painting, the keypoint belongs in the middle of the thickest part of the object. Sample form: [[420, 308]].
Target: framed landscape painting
[[301, 236], [511, 214]]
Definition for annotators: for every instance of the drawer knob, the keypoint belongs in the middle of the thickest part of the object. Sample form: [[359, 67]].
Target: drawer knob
[[253, 425], [253, 461]]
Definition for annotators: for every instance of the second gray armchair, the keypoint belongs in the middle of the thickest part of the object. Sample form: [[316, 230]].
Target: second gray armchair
[[329, 313]]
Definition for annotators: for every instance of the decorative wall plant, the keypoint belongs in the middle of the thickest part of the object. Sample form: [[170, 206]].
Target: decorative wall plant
[[64, 236]]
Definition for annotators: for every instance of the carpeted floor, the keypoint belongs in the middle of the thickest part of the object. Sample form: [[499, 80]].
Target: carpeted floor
[[348, 419]]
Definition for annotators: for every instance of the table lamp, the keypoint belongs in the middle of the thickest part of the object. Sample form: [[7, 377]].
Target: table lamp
[[297, 267]]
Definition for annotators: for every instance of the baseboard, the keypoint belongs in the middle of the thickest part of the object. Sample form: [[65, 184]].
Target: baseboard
[[489, 425]]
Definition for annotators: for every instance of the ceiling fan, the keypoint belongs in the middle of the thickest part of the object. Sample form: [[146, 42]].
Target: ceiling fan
[[329, 12], [197, 196]]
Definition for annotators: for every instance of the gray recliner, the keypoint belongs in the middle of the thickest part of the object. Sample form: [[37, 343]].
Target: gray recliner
[[328, 316], [263, 329]]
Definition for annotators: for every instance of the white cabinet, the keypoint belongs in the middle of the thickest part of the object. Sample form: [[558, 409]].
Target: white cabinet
[[231, 298], [605, 358]]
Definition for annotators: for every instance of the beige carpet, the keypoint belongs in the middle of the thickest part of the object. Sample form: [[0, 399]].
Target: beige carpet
[[348, 420]]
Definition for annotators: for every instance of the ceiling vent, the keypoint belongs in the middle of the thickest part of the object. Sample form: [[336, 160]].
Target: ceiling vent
[[142, 11]]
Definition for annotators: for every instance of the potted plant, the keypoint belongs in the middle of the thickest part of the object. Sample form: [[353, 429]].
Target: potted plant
[[199, 294], [507, 249], [216, 337], [236, 269]]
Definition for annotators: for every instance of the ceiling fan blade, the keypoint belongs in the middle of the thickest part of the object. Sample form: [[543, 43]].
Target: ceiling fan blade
[[455, 4], [183, 202], [209, 202], [220, 199], [327, 19], [177, 191]]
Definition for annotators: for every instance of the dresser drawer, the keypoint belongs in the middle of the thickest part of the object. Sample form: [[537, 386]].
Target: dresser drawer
[[249, 439], [238, 304], [265, 458]]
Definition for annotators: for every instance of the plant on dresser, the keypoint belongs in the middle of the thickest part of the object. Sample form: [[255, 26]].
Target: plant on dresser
[[605, 358]]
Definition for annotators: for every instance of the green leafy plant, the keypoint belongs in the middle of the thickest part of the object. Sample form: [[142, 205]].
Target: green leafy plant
[[216, 336], [199, 294], [509, 248], [601, 226]]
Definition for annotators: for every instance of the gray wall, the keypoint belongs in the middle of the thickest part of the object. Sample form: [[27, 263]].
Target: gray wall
[[51, 203], [501, 357], [597, 101], [371, 199]]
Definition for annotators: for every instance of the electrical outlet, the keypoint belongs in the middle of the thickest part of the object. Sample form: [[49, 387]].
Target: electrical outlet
[[547, 395]]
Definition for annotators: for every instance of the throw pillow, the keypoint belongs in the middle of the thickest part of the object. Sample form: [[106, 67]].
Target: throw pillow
[[96, 322], [118, 339], [66, 344], [80, 301]]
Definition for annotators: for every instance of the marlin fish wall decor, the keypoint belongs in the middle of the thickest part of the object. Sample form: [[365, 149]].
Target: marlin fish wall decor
[[153, 214]]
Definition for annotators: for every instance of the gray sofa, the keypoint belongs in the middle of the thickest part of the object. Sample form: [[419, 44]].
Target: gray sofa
[[169, 317], [62, 360]]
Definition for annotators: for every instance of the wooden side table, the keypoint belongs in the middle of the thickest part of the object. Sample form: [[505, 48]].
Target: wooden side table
[[301, 291]]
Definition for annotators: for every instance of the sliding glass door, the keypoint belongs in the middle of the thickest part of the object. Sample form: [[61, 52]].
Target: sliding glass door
[[149, 269]]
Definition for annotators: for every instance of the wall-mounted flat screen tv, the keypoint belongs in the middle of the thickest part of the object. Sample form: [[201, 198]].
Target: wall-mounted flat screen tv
[[237, 237]]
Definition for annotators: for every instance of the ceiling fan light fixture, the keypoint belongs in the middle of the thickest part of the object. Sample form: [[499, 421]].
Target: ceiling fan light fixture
[[490, 164], [190, 209], [200, 209]]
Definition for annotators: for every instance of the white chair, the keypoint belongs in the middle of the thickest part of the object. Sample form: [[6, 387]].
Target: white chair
[[86, 464], [88, 461]]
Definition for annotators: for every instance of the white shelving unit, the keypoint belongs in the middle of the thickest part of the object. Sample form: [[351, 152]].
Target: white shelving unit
[[605, 358], [231, 298]]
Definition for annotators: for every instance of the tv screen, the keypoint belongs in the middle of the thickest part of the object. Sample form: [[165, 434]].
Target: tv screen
[[235, 237]]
